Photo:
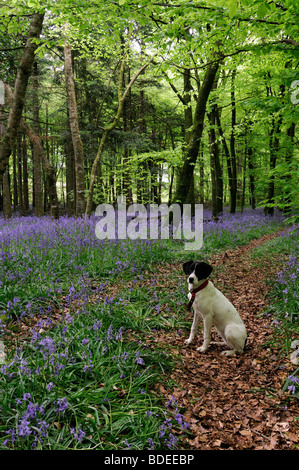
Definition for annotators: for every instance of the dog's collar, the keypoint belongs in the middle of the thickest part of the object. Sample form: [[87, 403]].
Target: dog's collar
[[194, 291]]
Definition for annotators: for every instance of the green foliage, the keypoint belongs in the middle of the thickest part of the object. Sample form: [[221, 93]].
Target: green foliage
[[183, 36]]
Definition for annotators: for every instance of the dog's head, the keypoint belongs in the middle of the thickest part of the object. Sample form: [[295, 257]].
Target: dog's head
[[196, 271]]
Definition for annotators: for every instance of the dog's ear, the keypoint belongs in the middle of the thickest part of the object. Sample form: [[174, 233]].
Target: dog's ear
[[203, 270], [187, 267]]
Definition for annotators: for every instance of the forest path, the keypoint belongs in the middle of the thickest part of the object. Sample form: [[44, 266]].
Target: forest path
[[234, 402]]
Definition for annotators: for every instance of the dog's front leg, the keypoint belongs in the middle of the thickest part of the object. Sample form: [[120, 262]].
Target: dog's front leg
[[194, 327], [206, 335]]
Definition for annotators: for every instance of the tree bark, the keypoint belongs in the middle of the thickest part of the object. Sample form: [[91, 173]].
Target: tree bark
[[37, 164], [126, 176], [251, 177], [75, 131], [251, 169], [6, 196], [25, 175], [288, 159], [20, 172], [70, 177], [216, 170], [20, 88], [187, 170], [232, 164], [15, 179], [7, 212], [274, 147], [231, 180]]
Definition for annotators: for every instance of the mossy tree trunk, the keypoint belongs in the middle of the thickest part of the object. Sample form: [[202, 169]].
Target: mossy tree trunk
[[187, 170]]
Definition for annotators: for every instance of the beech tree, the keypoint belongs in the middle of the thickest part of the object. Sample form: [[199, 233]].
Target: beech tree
[[74, 127]]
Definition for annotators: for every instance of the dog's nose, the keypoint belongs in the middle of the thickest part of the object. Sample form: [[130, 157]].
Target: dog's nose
[[191, 279]]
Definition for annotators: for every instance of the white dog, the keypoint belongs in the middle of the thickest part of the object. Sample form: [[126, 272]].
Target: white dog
[[215, 309]]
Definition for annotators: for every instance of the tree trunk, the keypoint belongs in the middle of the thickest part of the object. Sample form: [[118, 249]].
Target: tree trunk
[[201, 176], [20, 88], [288, 159], [37, 164], [6, 196], [274, 146], [225, 148], [25, 175], [127, 181], [232, 162], [244, 181], [15, 179], [216, 170], [187, 170], [251, 176], [251, 167], [20, 172], [188, 121], [74, 126], [70, 177], [6, 189]]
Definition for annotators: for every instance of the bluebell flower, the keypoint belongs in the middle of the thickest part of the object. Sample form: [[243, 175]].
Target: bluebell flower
[[138, 359], [62, 404], [79, 436]]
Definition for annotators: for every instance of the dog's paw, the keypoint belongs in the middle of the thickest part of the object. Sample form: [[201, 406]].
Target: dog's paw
[[230, 352], [202, 349], [188, 341]]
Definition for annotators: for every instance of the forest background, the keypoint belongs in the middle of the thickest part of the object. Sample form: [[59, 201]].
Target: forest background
[[159, 101]]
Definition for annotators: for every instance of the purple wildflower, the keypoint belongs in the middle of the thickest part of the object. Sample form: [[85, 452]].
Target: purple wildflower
[[62, 404], [79, 436]]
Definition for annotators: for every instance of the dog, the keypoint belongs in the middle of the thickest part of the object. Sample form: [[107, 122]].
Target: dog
[[214, 308]]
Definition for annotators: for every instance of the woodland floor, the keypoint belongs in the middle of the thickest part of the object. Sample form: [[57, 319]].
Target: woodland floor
[[235, 402], [232, 403]]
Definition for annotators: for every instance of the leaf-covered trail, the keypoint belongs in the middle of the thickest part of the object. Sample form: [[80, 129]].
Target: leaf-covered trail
[[236, 402]]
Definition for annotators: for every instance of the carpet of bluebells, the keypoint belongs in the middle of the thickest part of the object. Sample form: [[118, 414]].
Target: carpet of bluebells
[[283, 306], [75, 380]]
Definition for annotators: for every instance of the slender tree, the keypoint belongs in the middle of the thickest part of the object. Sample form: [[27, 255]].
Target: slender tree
[[232, 163], [7, 212], [37, 164], [75, 131], [216, 169]]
